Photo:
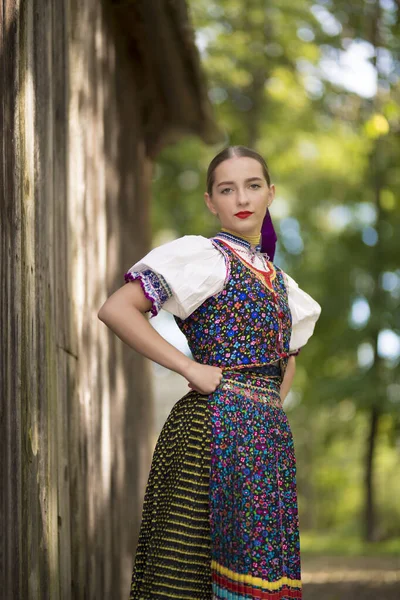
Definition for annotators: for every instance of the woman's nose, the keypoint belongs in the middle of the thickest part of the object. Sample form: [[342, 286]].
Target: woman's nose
[[241, 197]]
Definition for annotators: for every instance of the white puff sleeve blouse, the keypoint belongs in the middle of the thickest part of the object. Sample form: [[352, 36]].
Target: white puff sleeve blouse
[[190, 270], [180, 275]]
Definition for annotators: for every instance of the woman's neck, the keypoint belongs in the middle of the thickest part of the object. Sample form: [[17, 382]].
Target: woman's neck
[[254, 240]]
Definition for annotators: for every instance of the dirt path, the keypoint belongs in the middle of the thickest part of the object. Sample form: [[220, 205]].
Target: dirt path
[[351, 578]]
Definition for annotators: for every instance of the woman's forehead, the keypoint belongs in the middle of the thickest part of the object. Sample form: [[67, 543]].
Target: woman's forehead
[[238, 168]]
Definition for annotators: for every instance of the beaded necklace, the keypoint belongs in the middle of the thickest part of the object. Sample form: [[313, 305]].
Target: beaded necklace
[[246, 253]]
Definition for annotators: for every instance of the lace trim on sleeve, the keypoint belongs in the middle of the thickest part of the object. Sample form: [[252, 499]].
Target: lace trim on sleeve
[[294, 352], [154, 287]]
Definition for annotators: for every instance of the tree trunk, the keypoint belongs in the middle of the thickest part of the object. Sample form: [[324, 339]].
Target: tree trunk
[[370, 513], [377, 298]]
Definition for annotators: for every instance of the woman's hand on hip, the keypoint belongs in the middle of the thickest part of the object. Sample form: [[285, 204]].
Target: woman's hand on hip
[[203, 378]]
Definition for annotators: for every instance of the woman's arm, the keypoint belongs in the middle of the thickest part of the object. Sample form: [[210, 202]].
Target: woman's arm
[[123, 312], [288, 377]]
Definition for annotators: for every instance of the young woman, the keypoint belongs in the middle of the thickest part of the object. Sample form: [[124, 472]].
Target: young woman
[[220, 510]]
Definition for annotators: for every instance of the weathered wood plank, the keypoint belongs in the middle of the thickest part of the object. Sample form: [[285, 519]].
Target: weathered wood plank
[[76, 409]]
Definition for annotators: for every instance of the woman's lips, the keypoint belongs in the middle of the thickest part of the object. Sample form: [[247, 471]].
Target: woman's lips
[[243, 215]]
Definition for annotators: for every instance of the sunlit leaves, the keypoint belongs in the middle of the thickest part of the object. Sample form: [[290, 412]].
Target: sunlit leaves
[[376, 126]]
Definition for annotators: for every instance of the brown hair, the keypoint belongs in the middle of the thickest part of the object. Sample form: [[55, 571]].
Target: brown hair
[[230, 152]]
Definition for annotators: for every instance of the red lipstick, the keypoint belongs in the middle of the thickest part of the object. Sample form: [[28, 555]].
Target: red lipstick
[[243, 215]]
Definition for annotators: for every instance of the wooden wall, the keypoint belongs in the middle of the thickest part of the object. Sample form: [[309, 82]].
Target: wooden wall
[[75, 405]]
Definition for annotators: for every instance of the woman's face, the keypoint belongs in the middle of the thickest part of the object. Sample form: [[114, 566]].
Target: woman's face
[[240, 195]]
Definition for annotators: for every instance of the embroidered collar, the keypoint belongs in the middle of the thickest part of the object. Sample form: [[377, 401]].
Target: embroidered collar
[[237, 239], [264, 270]]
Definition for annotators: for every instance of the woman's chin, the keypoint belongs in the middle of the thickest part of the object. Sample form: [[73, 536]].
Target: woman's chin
[[245, 226]]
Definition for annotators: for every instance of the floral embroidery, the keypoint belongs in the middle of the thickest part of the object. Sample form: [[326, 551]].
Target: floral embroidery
[[266, 276], [255, 546], [154, 286], [244, 324]]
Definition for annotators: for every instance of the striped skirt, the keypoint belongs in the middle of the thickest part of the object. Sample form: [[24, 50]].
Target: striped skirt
[[220, 515]]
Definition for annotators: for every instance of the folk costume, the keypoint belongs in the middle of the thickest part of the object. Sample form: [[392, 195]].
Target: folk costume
[[220, 516]]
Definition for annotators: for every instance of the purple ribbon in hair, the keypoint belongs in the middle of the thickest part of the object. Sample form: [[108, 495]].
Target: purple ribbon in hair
[[268, 236]]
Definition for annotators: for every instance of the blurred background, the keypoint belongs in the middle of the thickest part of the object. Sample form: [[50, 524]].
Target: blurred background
[[314, 87], [110, 112]]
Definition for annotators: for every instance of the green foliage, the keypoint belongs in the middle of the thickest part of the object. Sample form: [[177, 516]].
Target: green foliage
[[328, 544], [334, 157]]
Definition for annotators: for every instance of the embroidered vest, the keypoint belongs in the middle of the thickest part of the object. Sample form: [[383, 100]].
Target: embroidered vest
[[247, 324]]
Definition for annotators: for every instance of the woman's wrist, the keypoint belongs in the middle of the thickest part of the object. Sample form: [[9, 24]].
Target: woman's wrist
[[185, 366]]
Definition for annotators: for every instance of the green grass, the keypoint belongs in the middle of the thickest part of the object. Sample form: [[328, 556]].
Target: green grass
[[313, 543]]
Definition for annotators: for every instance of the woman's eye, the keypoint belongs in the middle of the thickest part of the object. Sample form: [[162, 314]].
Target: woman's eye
[[225, 190]]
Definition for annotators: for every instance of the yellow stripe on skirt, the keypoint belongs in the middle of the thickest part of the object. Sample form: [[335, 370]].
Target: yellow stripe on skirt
[[173, 553]]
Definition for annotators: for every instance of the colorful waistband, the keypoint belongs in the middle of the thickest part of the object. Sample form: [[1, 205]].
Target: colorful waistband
[[259, 387], [269, 370]]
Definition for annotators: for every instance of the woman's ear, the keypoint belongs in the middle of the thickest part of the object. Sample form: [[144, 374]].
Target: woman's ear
[[209, 203], [271, 194]]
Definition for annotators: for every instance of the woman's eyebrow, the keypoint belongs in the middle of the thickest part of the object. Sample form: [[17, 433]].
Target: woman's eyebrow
[[246, 180]]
